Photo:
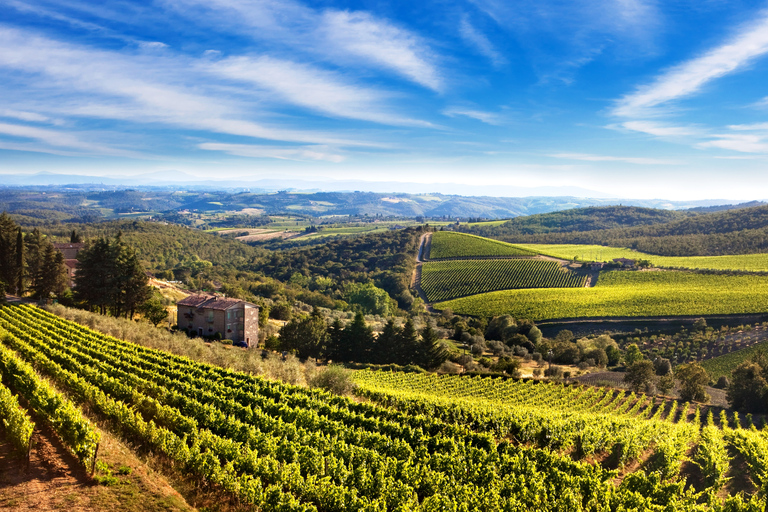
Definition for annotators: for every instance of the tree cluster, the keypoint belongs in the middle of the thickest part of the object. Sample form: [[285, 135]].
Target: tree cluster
[[110, 278], [29, 263], [748, 388], [310, 336]]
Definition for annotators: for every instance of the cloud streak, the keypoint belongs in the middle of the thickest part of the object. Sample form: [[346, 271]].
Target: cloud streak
[[604, 158], [691, 76]]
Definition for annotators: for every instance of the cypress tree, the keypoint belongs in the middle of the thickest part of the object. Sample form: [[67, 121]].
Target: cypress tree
[[406, 344], [386, 343], [34, 249], [430, 352], [19, 262], [359, 338], [51, 276], [8, 261]]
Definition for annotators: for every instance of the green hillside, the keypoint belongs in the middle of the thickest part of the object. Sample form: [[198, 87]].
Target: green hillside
[[447, 244], [442, 280], [626, 293]]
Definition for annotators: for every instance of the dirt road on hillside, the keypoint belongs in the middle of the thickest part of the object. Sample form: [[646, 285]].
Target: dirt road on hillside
[[426, 239]]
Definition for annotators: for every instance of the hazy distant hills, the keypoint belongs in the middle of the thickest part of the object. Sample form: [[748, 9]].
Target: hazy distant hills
[[168, 192]]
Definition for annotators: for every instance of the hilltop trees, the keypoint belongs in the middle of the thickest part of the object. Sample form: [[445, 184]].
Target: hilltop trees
[[110, 278], [29, 262]]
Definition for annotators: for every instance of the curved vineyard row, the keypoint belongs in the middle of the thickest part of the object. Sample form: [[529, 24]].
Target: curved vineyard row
[[75, 431], [442, 280], [741, 262], [448, 244], [281, 447], [626, 293], [18, 426]]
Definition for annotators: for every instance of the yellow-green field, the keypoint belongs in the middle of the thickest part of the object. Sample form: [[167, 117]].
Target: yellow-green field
[[747, 262], [626, 293]]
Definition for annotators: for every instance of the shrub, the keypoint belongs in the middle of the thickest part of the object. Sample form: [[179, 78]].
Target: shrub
[[335, 379]]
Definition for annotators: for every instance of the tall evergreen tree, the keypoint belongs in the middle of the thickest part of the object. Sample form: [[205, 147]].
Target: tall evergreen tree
[[406, 344], [430, 353], [306, 336], [51, 278], [75, 238], [19, 262], [336, 349], [9, 270], [110, 277], [35, 251], [386, 343], [358, 336]]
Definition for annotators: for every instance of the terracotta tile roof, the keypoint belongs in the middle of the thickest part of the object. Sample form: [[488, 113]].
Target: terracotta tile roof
[[71, 263], [209, 302], [61, 246]]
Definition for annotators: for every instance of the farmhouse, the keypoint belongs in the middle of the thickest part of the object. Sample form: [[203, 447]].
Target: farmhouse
[[207, 315], [624, 262], [69, 251]]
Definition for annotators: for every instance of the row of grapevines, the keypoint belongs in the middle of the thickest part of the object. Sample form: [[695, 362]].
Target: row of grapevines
[[428, 472], [75, 431], [442, 280], [448, 244], [623, 293], [18, 426]]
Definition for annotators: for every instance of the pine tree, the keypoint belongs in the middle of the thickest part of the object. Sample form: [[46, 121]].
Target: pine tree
[[359, 338], [386, 343], [19, 262], [430, 353], [9, 270], [406, 344], [51, 278], [336, 347], [35, 251]]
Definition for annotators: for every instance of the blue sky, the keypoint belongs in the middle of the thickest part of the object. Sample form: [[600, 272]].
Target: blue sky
[[632, 98]]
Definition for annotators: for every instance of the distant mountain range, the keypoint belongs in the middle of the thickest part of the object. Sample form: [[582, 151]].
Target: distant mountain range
[[360, 197]]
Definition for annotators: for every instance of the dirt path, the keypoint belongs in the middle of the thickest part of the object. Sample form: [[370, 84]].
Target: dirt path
[[426, 238], [54, 480]]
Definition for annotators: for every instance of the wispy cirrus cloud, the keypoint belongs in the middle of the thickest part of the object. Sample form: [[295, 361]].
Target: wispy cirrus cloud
[[606, 158], [105, 84], [303, 153], [750, 43], [340, 36], [485, 117], [659, 129], [54, 140], [480, 42], [313, 88]]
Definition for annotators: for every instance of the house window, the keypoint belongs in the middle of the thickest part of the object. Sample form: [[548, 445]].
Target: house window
[[210, 316]]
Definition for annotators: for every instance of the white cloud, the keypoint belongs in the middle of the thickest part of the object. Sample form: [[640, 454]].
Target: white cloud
[[303, 153], [743, 143], [749, 127], [152, 45], [659, 129], [312, 88], [604, 158], [32, 117], [57, 139], [105, 84], [691, 76], [342, 37], [485, 117], [480, 42]]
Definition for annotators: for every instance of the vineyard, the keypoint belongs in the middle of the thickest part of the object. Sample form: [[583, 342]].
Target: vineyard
[[447, 245], [279, 447], [723, 365], [584, 421], [443, 280], [622, 293], [740, 262]]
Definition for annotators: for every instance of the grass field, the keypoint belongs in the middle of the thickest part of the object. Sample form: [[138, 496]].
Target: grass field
[[447, 244], [442, 280], [748, 262], [626, 293]]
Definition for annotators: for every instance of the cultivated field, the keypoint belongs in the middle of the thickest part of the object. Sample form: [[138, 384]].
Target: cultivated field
[[745, 262], [626, 293], [442, 280], [447, 245]]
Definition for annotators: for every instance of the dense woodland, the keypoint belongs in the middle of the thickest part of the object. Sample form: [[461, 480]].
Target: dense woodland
[[666, 233]]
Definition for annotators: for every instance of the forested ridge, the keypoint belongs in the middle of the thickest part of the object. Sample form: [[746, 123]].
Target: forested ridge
[[662, 232]]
